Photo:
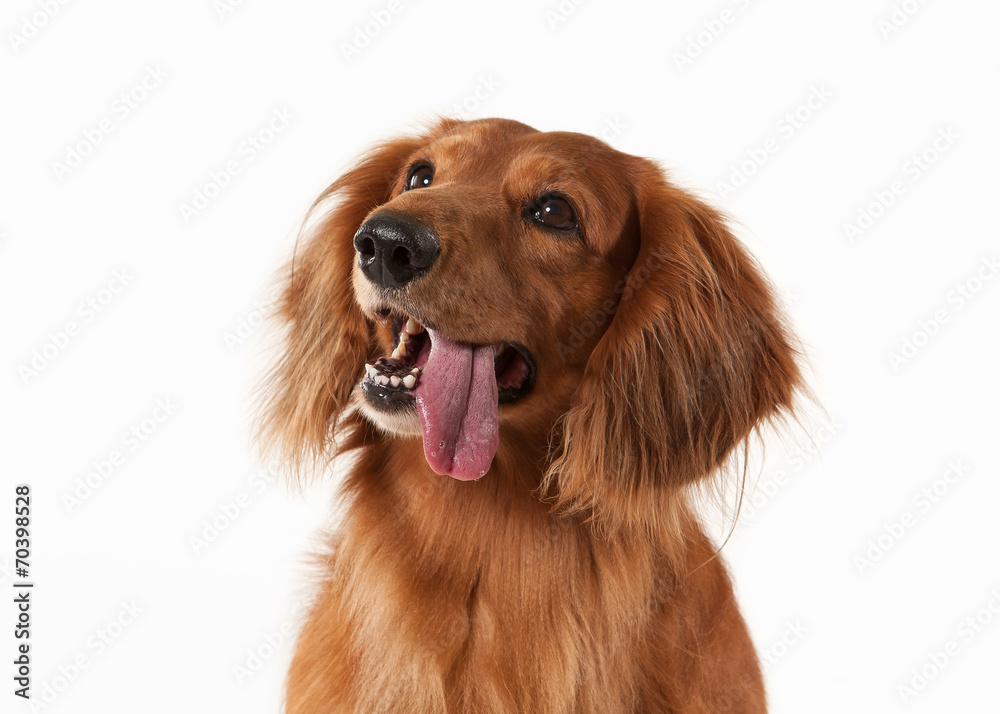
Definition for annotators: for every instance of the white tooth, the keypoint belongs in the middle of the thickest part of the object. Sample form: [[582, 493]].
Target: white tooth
[[404, 336], [382, 379], [394, 380], [413, 327], [409, 380], [370, 370], [415, 370], [395, 353], [401, 349]]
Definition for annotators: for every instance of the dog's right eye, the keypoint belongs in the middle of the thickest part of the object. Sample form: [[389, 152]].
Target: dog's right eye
[[420, 176]]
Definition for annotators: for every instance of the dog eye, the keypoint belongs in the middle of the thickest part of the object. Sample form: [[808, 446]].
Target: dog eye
[[555, 212], [420, 176]]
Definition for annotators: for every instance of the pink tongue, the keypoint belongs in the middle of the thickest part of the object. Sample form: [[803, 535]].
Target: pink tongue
[[457, 405]]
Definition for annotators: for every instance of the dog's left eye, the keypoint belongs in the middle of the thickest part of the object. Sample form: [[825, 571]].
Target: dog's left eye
[[554, 212], [420, 176]]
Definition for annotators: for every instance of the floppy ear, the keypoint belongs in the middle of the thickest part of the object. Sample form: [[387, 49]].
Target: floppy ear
[[695, 359], [327, 339]]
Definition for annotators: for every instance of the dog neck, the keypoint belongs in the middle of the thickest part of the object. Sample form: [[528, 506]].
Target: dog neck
[[430, 577]]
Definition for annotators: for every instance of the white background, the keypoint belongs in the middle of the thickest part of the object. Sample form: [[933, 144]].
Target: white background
[[837, 634]]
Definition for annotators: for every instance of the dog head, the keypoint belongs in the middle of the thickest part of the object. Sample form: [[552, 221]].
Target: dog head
[[487, 283]]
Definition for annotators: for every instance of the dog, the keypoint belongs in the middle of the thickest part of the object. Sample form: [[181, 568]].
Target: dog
[[529, 347]]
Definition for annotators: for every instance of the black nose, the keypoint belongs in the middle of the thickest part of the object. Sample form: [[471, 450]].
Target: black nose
[[394, 249]]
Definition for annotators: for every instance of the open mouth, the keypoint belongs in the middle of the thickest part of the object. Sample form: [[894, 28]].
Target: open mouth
[[391, 381], [455, 389]]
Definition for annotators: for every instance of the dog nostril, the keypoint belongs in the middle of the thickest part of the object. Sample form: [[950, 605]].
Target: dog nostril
[[366, 247], [393, 250], [401, 256]]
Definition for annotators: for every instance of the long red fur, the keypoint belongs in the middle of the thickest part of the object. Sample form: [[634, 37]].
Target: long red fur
[[574, 577]]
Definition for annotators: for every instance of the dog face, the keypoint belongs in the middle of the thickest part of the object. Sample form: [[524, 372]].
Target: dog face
[[497, 249], [487, 281]]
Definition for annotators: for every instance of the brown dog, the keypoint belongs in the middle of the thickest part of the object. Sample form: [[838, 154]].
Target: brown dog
[[574, 341]]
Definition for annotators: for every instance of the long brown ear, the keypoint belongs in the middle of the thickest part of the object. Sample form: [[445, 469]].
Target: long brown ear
[[327, 340], [695, 360]]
